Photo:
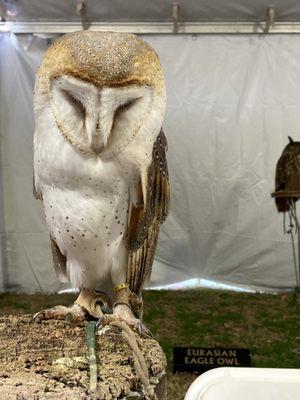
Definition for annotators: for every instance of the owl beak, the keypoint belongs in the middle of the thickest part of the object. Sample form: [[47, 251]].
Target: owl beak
[[102, 130], [96, 148], [98, 123], [97, 142], [94, 134]]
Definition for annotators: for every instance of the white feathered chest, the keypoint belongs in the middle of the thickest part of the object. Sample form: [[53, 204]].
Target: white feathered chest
[[86, 202]]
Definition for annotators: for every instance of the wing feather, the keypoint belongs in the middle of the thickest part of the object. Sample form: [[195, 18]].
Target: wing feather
[[146, 216], [36, 193], [59, 261]]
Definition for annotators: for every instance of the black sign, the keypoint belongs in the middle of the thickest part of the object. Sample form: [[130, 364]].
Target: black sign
[[200, 359]]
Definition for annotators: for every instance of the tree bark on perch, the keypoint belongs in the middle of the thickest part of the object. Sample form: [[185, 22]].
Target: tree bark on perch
[[50, 361]]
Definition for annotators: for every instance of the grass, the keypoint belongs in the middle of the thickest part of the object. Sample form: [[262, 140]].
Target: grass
[[266, 324]]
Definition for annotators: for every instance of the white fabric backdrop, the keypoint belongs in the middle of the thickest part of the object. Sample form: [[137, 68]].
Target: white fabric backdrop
[[232, 101]]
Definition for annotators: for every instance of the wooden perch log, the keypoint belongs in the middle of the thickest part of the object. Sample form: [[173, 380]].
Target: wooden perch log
[[50, 361]]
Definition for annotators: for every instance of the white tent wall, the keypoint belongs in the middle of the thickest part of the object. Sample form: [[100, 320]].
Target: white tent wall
[[26, 258], [232, 101]]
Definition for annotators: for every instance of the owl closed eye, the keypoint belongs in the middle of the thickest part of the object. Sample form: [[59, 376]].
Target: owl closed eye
[[97, 117]]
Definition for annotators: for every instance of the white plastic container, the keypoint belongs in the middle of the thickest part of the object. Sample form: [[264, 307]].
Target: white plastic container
[[246, 384]]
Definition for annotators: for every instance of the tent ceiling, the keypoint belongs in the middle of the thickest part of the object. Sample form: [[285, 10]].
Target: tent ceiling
[[204, 16], [151, 11]]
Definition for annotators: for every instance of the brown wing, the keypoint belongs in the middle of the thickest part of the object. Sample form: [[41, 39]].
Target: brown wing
[[146, 218], [59, 261]]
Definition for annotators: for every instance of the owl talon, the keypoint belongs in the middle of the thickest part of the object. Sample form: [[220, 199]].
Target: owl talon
[[38, 317], [123, 313], [100, 323], [69, 319], [69, 314], [139, 327]]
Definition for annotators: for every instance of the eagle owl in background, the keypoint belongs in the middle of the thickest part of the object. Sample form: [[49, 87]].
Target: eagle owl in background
[[287, 178], [100, 167]]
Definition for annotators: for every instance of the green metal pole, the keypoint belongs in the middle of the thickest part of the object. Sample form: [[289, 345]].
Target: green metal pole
[[90, 339]]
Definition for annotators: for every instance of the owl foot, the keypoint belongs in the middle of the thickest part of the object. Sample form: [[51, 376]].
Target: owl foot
[[123, 313], [71, 314]]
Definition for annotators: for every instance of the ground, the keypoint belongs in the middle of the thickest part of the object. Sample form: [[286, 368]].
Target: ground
[[269, 325]]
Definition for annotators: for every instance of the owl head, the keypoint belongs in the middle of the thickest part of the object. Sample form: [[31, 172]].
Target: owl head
[[103, 89]]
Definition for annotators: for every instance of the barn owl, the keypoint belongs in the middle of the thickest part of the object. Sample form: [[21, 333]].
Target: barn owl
[[100, 167]]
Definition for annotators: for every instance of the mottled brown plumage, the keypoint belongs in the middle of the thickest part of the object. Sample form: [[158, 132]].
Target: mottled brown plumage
[[287, 179], [146, 218], [102, 58]]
